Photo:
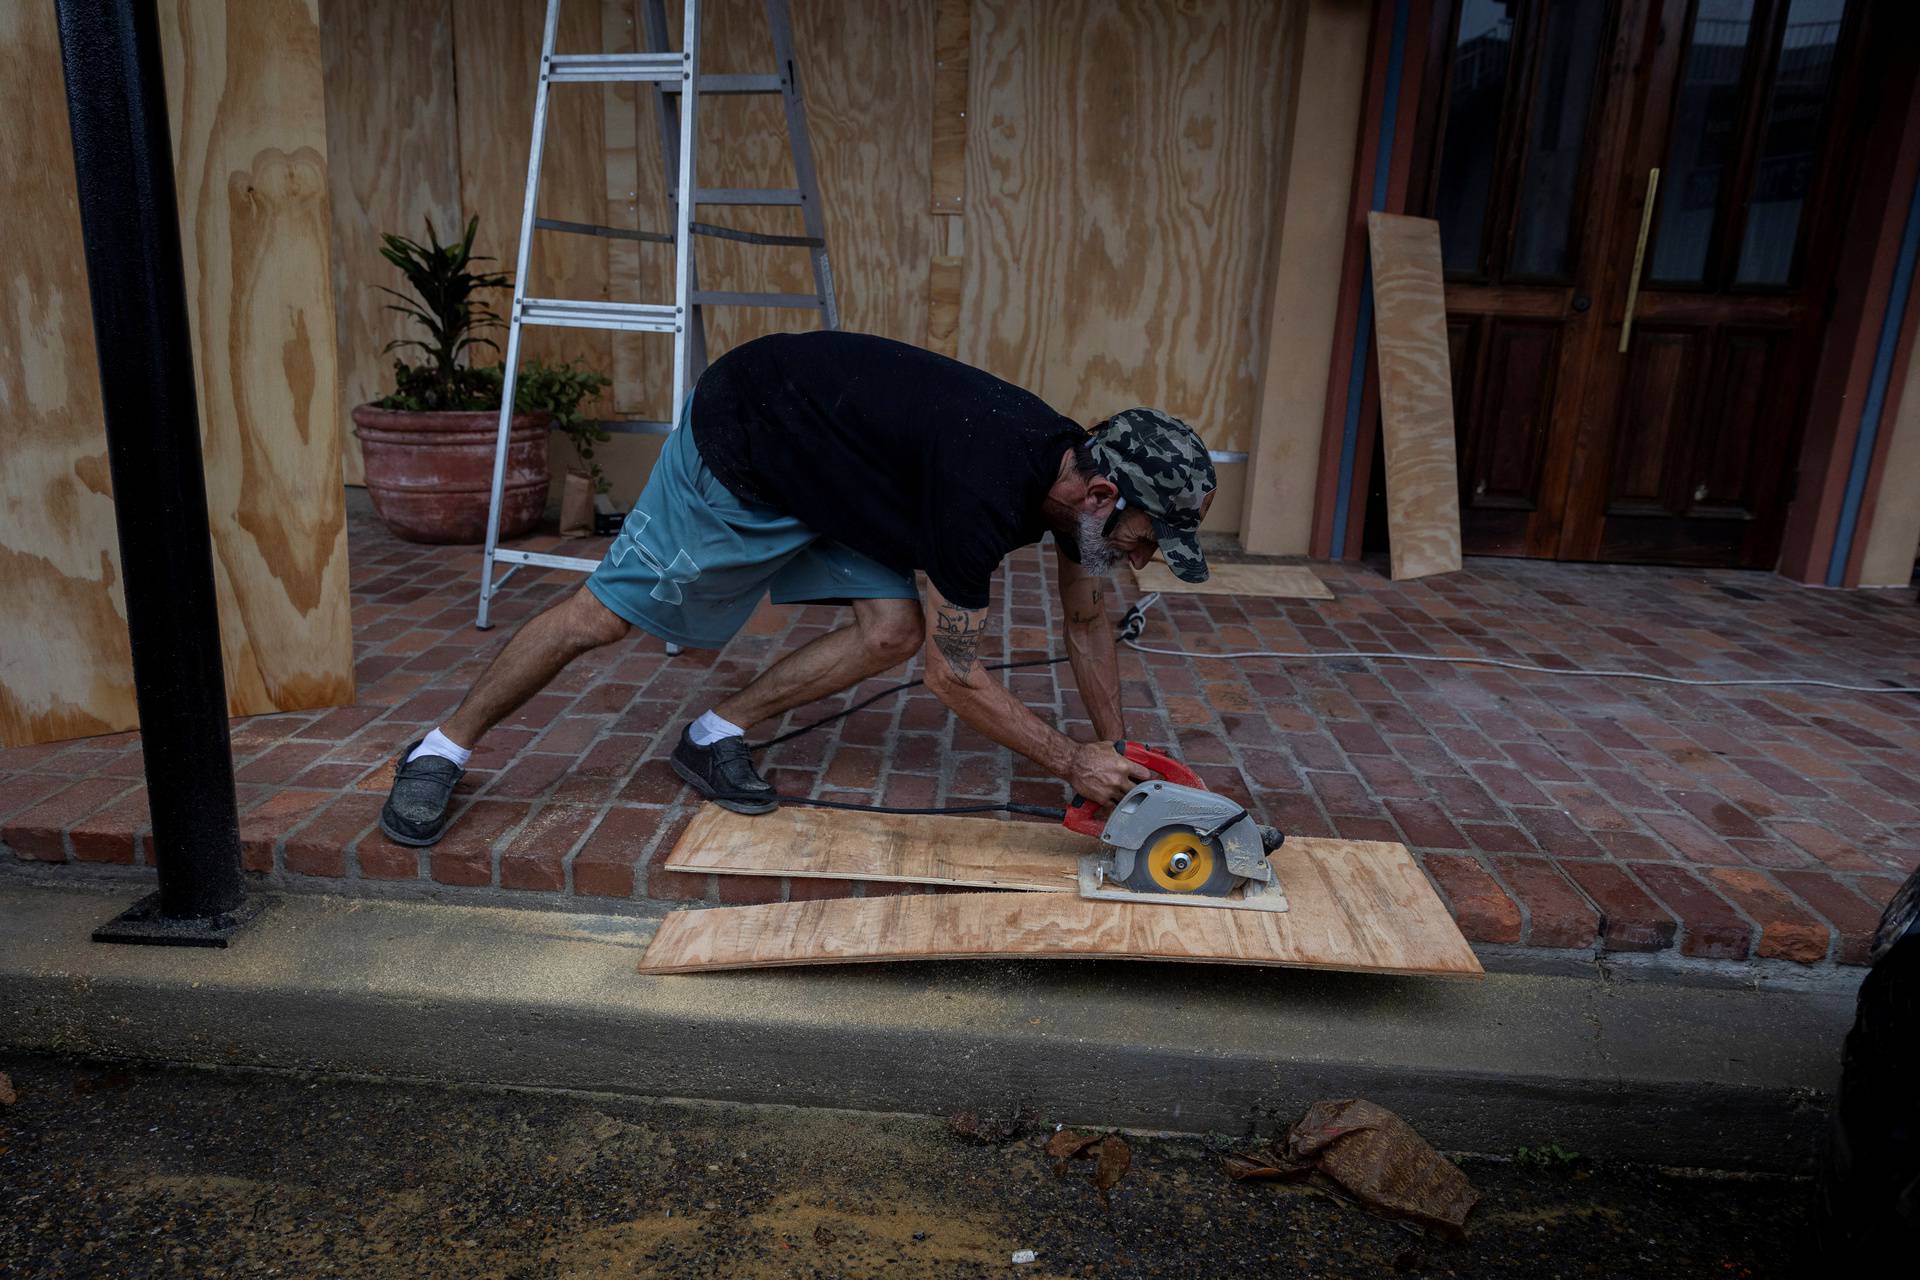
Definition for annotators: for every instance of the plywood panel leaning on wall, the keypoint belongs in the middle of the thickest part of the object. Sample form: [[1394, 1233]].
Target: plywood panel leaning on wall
[[1416, 395], [64, 665], [1123, 181], [393, 159]]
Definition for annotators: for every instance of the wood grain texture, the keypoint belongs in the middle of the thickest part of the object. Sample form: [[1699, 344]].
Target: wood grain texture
[[1355, 905], [945, 277], [797, 841], [1291, 581], [496, 47], [1123, 180], [952, 40], [245, 89], [391, 164], [65, 669], [1416, 395], [244, 83]]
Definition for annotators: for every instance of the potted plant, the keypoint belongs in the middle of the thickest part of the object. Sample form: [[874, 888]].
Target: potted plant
[[429, 446]]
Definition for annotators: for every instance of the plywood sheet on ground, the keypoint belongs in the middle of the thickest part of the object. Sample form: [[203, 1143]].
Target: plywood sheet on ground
[[834, 844], [1416, 395], [1291, 581], [1355, 905]]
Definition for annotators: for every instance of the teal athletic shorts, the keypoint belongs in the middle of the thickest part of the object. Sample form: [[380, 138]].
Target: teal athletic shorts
[[692, 560]]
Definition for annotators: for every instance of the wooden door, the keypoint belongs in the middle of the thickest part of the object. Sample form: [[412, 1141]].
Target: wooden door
[[1678, 449]]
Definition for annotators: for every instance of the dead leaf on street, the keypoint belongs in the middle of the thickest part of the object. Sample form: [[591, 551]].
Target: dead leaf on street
[[1115, 1159], [1068, 1143], [7, 1096], [823, 1235]]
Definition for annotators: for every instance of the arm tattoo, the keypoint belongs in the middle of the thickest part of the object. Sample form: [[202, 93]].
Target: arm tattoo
[[957, 634], [1091, 611]]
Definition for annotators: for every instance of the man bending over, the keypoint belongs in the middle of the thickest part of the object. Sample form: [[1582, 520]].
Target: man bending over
[[827, 467]]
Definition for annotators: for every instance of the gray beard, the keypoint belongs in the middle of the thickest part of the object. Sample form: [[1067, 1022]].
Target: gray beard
[[1097, 555]]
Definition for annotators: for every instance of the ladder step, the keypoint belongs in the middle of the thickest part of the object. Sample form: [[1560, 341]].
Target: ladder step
[[595, 229], [734, 84], [617, 68], [640, 317], [728, 298], [747, 195], [544, 560]]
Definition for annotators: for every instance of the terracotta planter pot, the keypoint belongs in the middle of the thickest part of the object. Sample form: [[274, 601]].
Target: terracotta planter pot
[[428, 473]]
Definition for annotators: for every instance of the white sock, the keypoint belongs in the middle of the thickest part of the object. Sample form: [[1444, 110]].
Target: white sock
[[439, 744], [710, 728]]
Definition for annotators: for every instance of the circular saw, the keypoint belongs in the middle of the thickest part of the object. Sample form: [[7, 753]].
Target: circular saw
[[1171, 840]]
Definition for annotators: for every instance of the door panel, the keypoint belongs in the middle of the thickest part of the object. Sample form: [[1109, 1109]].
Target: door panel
[[1675, 447], [1657, 402], [1511, 192], [1739, 121], [1521, 358]]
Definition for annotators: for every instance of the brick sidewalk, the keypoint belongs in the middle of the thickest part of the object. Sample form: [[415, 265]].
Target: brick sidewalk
[[1552, 812]]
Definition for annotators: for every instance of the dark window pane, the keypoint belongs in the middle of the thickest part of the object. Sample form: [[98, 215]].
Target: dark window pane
[[1789, 141], [1704, 141], [1472, 140], [1556, 138]]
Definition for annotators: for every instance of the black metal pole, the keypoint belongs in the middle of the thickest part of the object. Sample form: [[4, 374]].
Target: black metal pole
[[123, 161]]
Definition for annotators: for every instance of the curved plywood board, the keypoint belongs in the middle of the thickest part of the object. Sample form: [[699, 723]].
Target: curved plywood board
[[838, 845], [1354, 904]]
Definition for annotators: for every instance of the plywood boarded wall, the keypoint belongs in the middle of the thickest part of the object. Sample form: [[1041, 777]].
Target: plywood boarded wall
[[64, 665], [245, 96], [1122, 190], [393, 162], [1122, 184]]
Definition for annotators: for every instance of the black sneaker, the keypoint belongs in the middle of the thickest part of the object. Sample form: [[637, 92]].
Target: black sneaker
[[416, 810], [724, 774]]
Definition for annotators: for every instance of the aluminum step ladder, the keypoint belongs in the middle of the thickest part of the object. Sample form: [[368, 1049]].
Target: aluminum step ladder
[[671, 73]]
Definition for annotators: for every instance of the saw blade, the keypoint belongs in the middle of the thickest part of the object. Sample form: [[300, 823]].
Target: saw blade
[[1178, 859]]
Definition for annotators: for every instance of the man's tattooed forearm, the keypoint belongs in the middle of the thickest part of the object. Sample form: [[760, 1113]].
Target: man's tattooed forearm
[[1091, 610], [957, 634]]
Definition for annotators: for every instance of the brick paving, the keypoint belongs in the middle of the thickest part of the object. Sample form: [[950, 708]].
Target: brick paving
[[1551, 812]]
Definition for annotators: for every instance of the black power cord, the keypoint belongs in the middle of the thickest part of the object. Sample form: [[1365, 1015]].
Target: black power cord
[[1132, 623]]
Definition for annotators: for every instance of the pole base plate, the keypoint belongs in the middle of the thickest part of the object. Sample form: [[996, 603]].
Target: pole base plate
[[142, 924]]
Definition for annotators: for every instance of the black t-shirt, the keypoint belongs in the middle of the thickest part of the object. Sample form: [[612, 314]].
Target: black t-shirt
[[915, 460]]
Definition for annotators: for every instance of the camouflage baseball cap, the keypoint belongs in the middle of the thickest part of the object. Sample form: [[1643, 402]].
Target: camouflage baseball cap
[[1160, 466]]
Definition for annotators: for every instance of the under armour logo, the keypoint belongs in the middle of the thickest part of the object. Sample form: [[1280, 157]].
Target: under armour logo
[[672, 576]]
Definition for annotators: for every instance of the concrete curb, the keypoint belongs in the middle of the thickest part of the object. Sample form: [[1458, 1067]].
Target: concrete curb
[[1656, 1071]]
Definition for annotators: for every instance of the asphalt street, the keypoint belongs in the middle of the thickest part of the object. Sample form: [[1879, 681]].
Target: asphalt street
[[113, 1171]]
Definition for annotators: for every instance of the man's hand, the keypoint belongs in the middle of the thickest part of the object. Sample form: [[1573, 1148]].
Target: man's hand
[[1103, 775]]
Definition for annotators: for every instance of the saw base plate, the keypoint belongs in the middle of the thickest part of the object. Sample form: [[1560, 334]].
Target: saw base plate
[[1255, 895]]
